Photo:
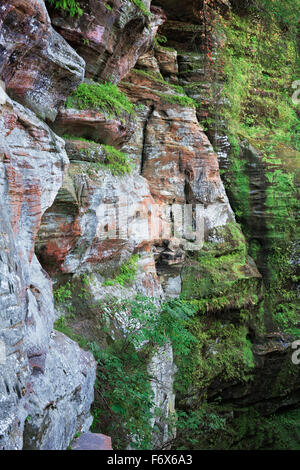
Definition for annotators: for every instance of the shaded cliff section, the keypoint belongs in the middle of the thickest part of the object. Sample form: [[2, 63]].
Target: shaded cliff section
[[238, 69]]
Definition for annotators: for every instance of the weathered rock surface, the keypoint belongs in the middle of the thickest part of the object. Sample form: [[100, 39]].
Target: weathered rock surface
[[95, 125], [111, 217], [38, 66], [276, 381], [92, 441], [33, 163], [14, 369], [59, 400], [110, 39]]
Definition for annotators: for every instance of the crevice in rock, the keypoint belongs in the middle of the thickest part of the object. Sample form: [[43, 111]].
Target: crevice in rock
[[144, 154]]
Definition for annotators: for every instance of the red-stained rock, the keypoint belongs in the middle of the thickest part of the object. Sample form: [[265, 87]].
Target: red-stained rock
[[38, 67], [39, 370], [34, 162], [178, 160], [110, 39], [95, 125], [83, 230]]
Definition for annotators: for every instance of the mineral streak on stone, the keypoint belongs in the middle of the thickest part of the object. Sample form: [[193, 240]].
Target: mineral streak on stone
[[95, 125]]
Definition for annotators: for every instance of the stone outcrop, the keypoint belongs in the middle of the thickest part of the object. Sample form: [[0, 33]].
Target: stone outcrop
[[110, 39], [33, 163], [95, 125], [38, 66]]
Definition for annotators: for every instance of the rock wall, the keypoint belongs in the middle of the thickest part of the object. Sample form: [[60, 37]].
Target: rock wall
[[68, 214], [46, 380]]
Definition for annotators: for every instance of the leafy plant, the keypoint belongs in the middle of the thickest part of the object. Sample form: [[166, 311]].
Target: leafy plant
[[105, 97], [124, 405], [127, 273], [70, 6], [140, 4]]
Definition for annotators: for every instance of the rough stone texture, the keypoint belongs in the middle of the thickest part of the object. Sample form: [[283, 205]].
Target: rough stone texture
[[177, 158], [92, 441], [46, 383], [276, 382], [95, 125], [110, 40], [38, 66], [33, 162], [85, 237], [162, 368], [14, 368], [59, 402]]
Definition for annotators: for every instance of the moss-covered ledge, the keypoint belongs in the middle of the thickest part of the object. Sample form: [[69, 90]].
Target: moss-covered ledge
[[222, 275]]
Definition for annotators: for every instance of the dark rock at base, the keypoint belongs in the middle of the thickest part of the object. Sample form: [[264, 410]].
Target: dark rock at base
[[92, 441]]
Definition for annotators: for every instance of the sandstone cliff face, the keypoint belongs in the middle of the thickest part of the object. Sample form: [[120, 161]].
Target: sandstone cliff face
[[33, 163], [66, 215], [38, 66]]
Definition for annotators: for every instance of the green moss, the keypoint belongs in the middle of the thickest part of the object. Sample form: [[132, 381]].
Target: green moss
[[179, 100], [105, 97], [128, 270], [116, 161], [141, 6], [222, 352], [259, 66], [158, 78], [222, 276], [70, 6], [160, 39]]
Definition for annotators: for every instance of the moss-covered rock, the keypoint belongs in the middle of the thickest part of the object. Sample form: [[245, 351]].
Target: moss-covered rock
[[222, 276]]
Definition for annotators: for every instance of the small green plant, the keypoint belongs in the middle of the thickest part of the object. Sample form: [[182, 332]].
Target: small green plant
[[70, 6], [127, 273], [105, 97], [108, 7], [62, 293], [141, 6], [159, 39]]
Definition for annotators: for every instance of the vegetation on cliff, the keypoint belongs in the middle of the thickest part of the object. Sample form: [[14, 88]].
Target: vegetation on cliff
[[105, 97]]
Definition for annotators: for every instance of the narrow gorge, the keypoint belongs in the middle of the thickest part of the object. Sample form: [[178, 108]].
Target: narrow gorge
[[149, 220]]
